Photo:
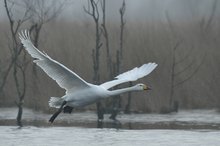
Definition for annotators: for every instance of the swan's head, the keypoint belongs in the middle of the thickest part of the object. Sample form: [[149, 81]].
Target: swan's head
[[142, 87]]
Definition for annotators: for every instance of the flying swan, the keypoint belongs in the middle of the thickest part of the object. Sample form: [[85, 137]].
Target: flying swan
[[80, 93]]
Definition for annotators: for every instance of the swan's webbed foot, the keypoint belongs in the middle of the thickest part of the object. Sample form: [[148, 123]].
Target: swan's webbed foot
[[68, 109], [57, 113]]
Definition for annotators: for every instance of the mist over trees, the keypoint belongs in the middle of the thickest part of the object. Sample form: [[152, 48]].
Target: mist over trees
[[181, 36]]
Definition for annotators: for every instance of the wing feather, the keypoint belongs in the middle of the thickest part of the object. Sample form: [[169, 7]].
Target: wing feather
[[131, 75], [64, 77]]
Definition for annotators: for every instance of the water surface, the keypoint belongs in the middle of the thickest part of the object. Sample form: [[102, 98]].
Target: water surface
[[69, 136]]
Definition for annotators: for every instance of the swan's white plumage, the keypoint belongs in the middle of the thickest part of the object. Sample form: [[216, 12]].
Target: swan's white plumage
[[55, 102], [79, 92], [64, 77], [131, 75]]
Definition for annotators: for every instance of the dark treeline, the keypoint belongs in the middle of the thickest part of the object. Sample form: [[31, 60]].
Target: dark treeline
[[187, 53]]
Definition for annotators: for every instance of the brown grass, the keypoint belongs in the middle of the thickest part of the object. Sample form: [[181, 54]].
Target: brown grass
[[71, 43]]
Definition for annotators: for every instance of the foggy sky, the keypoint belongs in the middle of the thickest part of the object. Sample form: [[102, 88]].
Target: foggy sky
[[138, 10]]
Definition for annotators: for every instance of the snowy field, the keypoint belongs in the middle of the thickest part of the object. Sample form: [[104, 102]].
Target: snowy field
[[72, 136], [184, 119], [185, 128]]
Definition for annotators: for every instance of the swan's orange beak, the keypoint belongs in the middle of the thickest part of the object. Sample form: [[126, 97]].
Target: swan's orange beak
[[146, 87]]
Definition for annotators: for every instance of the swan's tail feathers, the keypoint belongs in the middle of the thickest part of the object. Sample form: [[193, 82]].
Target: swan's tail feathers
[[55, 102]]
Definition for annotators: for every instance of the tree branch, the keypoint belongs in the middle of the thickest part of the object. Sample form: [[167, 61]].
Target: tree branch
[[192, 74], [185, 69]]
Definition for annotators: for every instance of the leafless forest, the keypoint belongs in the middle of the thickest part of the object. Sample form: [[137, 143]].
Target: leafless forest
[[185, 47]]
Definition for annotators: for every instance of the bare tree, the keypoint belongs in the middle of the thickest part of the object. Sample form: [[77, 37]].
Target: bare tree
[[109, 61], [106, 36], [14, 27], [128, 105], [18, 62], [122, 26], [93, 11], [42, 12], [101, 29], [119, 59], [173, 104], [176, 73], [206, 24], [171, 101]]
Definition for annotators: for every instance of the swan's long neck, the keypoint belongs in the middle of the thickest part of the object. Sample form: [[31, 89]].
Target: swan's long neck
[[120, 91]]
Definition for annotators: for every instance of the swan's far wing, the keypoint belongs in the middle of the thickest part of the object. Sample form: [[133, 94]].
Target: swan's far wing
[[64, 77], [131, 75]]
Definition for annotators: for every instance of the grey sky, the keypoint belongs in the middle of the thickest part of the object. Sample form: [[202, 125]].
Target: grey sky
[[139, 9]]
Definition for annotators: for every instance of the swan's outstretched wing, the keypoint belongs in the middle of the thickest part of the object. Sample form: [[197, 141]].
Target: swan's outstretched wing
[[131, 75], [64, 77]]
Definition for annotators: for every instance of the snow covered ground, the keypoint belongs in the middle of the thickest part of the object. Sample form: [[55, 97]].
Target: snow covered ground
[[185, 119], [69, 136], [185, 128]]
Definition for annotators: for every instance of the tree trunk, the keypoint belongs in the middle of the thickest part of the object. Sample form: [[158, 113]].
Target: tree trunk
[[128, 106], [20, 112]]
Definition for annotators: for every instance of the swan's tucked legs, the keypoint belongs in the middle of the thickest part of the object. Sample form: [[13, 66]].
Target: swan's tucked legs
[[57, 113], [68, 109]]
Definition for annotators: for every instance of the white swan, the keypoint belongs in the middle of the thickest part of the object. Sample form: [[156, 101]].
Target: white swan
[[79, 92]]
